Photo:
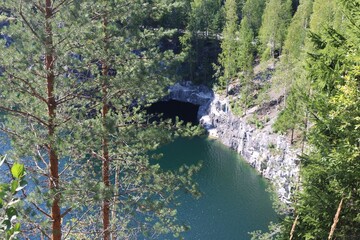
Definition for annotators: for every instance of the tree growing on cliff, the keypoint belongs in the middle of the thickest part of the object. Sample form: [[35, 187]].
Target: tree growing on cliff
[[228, 56], [245, 61], [328, 205], [275, 21], [253, 11], [291, 74]]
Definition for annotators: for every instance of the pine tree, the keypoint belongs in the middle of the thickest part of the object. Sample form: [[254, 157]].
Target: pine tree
[[131, 73], [245, 60], [70, 61], [253, 11], [325, 14], [204, 25], [228, 58], [275, 20], [330, 171], [39, 87], [290, 75]]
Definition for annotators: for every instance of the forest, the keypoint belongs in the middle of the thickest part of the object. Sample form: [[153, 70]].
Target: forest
[[78, 75]]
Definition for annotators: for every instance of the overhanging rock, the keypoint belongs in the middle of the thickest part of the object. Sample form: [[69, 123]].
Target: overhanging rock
[[195, 94]]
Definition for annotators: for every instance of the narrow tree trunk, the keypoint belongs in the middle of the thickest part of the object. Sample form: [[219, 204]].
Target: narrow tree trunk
[[336, 220], [306, 125], [105, 142], [105, 165], [54, 161], [293, 227], [116, 195]]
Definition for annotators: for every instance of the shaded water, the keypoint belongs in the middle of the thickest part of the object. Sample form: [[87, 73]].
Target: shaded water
[[234, 200]]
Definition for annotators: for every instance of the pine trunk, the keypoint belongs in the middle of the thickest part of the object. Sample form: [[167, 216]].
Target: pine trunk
[[105, 166], [54, 161], [336, 220]]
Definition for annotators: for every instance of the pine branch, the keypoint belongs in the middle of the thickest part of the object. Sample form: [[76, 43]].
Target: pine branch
[[66, 212], [40, 209], [24, 114], [75, 223], [39, 7], [33, 90], [56, 8], [28, 24], [7, 131]]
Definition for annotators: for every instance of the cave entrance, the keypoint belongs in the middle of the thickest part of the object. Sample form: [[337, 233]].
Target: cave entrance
[[186, 112]]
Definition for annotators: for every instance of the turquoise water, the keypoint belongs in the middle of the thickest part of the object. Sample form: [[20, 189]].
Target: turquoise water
[[234, 200]]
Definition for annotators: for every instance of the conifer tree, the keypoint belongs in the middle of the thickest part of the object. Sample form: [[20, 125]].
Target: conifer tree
[[253, 10], [228, 56], [245, 60], [330, 171], [204, 25], [275, 20], [39, 86], [58, 74], [130, 74], [326, 14], [290, 75]]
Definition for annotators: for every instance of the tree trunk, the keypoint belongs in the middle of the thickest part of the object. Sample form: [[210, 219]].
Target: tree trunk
[[336, 220], [293, 227], [105, 165], [306, 125], [51, 104]]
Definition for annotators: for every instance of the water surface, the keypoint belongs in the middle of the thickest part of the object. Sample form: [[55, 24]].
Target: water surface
[[234, 200]]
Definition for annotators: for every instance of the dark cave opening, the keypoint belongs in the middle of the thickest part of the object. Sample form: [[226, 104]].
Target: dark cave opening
[[186, 112]]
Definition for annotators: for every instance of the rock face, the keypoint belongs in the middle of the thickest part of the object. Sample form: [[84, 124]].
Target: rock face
[[270, 154], [195, 94]]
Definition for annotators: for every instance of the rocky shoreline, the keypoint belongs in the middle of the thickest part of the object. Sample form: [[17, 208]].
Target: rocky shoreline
[[269, 153]]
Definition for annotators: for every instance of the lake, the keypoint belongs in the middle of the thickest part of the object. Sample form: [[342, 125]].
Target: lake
[[234, 200]]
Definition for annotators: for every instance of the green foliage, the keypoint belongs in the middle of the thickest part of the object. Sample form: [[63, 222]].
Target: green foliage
[[296, 35], [245, 60], [326, 14], [259, 123], [228, 56], [9, 199], [237, 108], [275, 21], [293, 115], [291, 75], [107, 57], [253, 11], [274, 230], [330, 171], [200, 40]]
